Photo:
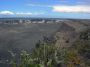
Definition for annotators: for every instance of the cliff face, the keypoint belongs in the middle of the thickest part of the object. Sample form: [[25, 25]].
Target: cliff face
[[68, 33]]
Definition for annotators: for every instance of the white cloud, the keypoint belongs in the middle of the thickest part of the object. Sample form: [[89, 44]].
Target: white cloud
[[63, 1], [29, 13], [6, 13], [36, 13], [20, 13], [66, 8], [76, 8], [39, 5]]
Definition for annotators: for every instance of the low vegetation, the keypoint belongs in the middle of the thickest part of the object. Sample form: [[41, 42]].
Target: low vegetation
[[47, 55]]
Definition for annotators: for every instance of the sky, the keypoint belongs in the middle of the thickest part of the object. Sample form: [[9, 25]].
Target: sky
[[45, 8]]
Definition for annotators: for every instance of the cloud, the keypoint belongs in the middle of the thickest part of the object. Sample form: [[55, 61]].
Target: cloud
[[6, 13], [84, 1], [63, 1], [66, 8], [20, 13], [38, 5], [73, 9], [29, 13]]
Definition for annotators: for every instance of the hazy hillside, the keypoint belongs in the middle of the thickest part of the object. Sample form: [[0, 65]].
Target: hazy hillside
[[24, 36]]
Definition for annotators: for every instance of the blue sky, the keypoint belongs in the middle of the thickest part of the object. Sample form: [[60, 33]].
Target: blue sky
[[45, 8]]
